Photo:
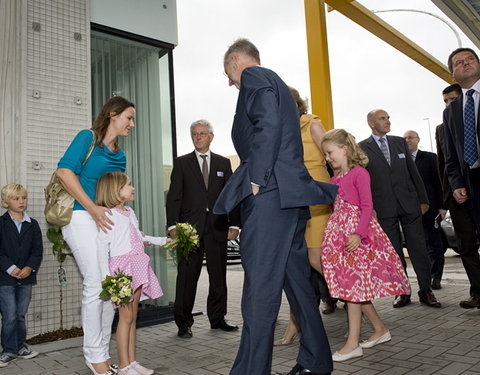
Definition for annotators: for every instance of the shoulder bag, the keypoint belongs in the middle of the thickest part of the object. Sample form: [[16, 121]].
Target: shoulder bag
[[59, 203]]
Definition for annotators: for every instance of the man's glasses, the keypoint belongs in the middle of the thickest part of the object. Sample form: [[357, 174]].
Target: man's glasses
[[202, 134]]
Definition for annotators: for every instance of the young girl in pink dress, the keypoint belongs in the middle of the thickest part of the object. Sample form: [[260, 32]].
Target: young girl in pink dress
[[124, 244], [360, 263]]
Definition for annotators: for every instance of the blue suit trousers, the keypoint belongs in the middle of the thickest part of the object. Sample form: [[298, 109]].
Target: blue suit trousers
[[274, 256]]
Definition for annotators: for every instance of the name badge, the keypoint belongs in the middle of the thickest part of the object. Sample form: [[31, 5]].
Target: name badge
[[219, 174], [401, 156]]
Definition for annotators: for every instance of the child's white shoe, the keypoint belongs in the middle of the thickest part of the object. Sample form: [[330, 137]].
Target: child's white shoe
[[129, 370], [140, 369]]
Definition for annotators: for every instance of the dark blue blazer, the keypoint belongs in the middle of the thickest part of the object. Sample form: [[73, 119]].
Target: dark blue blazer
[[188, 198], [266, 136], [427, 165], [22, 249], [457, 170]]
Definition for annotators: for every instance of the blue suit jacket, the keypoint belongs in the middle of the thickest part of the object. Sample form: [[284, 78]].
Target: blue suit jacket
[[22, 249], [427, 165], [266, 136], [457, 170]]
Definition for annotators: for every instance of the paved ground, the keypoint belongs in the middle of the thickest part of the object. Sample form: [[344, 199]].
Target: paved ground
[[425, 340]]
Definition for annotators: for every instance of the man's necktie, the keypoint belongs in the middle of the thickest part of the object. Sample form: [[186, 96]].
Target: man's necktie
[[470, 154], [205, 170], [384, 148], [413, 157]]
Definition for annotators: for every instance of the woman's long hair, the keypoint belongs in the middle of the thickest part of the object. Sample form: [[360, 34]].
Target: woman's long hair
[[114, 106]]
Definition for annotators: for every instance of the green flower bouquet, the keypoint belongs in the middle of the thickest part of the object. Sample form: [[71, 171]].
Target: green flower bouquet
[[117, 288], [185, 242]]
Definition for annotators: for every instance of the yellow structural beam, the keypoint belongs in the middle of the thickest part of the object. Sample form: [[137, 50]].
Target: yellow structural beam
[[319, 67], [368, 20]]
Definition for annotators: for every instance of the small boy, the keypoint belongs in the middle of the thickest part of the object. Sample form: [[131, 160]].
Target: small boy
[[21, 252]]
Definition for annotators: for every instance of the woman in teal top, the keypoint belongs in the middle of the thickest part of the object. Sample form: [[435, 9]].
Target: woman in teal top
[[80, 179]]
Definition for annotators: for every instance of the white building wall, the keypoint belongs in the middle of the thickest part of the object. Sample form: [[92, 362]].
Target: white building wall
[[156, 19], [58, 92], [45, 74]]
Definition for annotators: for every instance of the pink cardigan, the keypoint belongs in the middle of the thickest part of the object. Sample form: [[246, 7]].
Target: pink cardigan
[[354, 188]]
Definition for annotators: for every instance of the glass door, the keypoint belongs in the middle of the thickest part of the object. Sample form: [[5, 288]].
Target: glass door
[[142, 73]]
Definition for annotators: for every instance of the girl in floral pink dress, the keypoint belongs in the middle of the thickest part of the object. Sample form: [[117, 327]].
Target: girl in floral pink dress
[[124, 244], [360, 263]]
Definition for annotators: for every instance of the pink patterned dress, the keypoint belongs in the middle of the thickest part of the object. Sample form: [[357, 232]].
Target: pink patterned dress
[[374, 269], [137, 264]]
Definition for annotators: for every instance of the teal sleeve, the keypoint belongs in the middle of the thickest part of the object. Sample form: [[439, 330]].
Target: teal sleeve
[[77, 152]]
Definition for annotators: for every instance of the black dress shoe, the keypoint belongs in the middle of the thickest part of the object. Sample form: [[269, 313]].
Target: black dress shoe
[[298, 369], [429, 299], [472, 302], [224, 326], [402, 301], [436, 284], [185, 332], [329, 307]]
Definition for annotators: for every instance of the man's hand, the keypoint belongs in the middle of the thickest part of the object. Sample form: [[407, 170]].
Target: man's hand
[[460, 195], [424, 207], [232, 234], [255, 189], [442, 213], [24, 272], [353, 242], [16, 272]]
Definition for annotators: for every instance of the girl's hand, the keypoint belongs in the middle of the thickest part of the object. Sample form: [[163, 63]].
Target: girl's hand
[[353, 242], [145, 243], [102, 220]]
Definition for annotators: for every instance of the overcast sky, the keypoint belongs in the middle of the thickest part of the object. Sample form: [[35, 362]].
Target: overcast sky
[[366, 72]]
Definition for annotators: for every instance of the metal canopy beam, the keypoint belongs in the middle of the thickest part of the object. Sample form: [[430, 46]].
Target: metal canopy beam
[[371, 22]]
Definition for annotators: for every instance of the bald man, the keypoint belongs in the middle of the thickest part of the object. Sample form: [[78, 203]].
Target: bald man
[[399, 198]]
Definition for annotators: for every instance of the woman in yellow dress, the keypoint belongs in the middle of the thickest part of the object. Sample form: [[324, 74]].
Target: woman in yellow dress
[[312, 133]]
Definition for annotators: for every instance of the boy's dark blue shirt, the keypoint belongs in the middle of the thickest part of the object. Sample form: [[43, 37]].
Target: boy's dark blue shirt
[[22, 249]]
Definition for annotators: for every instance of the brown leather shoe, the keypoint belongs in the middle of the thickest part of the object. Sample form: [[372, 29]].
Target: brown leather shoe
[[329, 307], [429, 299], [472, 302], [402, 301]]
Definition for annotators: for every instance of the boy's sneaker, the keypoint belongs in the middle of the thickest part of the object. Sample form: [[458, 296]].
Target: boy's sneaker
[[6, 358], [27, 353]]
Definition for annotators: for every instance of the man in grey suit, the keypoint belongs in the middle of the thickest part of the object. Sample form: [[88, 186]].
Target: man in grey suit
[[273, 189], [399, 197]]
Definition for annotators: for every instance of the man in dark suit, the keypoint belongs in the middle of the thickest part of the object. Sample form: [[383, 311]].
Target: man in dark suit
[[462, 129], [399, 197], [427, 165], [273, 189], [196, 181], [460, 214]]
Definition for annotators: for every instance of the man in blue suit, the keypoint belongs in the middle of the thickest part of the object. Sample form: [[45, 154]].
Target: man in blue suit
[[273, 189]]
